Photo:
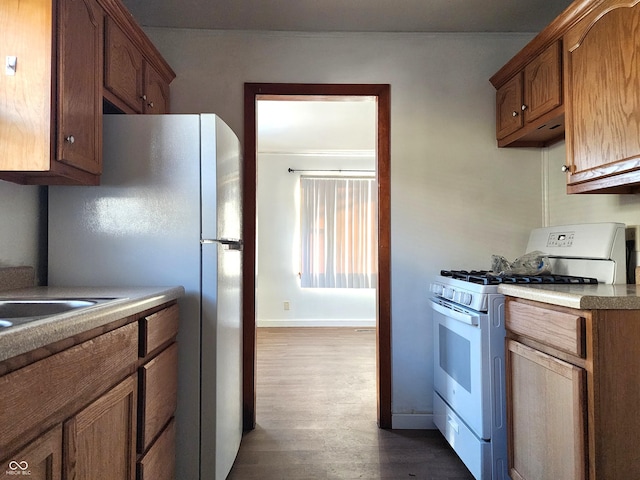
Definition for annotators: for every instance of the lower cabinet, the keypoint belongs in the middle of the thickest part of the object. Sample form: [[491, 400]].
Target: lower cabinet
[[41, 459], [546, 412], [572, 392], [62, 418], [158, 388], [100, 440]]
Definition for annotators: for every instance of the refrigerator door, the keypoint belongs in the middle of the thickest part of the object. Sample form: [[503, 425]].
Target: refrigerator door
[[221, 176], [221, 346], [221, 396], [141, 227]]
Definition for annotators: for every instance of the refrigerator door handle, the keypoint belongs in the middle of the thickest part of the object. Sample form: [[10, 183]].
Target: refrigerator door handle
[[230, 243]]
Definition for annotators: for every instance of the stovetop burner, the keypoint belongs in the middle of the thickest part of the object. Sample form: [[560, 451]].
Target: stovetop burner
[[484, 277]]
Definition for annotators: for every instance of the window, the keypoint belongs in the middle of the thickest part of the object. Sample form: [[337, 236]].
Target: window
[[338, 232]]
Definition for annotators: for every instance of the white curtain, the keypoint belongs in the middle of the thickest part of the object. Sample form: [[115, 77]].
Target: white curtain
[[338, 232]]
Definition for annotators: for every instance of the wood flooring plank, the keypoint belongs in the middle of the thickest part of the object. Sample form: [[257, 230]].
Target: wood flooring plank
[[316, 415]]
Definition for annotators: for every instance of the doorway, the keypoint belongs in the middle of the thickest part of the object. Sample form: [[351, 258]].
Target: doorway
[[252, 93]]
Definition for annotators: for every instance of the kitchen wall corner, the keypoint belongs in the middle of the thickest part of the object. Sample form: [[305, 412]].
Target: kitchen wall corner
[[23, 210]]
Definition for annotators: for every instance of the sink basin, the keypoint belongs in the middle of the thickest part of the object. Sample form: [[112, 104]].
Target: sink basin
[[16, 312]]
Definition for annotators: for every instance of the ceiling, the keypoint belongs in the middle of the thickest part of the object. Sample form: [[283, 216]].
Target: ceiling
[[314, 126], [320, 126], [350, 15]]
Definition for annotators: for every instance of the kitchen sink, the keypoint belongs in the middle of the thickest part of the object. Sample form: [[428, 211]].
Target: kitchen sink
[[16, 312]]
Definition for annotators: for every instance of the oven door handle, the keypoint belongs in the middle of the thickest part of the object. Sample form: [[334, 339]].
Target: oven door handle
[[455, 314]]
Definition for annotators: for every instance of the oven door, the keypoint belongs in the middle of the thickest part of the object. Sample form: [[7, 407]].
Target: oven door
[[461, 369]]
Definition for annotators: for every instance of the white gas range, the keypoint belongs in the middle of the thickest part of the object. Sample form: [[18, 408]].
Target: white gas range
[[468, 318]]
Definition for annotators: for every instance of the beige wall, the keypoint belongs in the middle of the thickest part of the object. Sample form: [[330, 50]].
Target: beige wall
[[20, 229], [455, 198], [566, 209], [279, 250]]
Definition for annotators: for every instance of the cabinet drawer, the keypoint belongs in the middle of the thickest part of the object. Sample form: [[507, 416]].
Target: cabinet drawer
[[158, 393], [158, 329], [474, 452], [40, 395], [558, 329], [160, 461]]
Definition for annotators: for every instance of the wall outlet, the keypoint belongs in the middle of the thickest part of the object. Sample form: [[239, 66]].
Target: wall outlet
[[287, 305], [10, 65]]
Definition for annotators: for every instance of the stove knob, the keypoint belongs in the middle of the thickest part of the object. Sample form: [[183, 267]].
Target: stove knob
[[437, 289], [448, 293], [466, 299]]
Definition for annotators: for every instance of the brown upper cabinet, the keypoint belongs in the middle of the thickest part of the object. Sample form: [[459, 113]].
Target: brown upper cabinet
[[57, 73], [590, 51], [49, 134], [603, 100], [131, 82], [529, 105], [123, 69]]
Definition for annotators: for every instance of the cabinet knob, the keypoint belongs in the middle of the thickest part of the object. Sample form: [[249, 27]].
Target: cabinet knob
[[514, 114], [524, 107], [566, 168], [150, 104], [143, 97], [70, 139]]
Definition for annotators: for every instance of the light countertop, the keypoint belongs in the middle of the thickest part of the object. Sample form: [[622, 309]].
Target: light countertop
[[584, 297], [39, 333]]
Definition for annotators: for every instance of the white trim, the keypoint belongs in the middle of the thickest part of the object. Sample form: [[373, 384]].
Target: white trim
[[412, 421], [297, 322]]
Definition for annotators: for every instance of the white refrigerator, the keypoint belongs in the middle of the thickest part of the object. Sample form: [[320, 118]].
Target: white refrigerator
[[168, 212]]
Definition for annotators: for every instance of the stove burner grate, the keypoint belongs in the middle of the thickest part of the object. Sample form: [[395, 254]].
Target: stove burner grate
[[484, 277]]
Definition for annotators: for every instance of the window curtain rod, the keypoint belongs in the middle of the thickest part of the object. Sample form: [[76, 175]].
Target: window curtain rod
[[291, 170]]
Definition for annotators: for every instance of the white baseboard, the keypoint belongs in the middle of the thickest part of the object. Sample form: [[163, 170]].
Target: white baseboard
[[412, 421], [316, 323]]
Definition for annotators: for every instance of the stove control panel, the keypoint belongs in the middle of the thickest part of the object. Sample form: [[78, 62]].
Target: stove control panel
[[465, 294], [564, 239]]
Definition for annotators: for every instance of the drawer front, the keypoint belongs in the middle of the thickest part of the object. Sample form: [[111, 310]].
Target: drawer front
[[158, 329], [474, 452], [158, 393], [40, 395], [159, 463], [562, 330]]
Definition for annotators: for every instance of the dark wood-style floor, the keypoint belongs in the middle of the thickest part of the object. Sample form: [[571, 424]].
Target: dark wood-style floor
[[316, 415]]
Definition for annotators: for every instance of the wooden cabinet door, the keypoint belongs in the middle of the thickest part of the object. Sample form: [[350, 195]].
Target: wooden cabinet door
[[156, 92], [79, 125], [99, 442], [542, 83], [603, 98], [123, 64], [546, 414], [40, 460], [508, 107], [25, 98]]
